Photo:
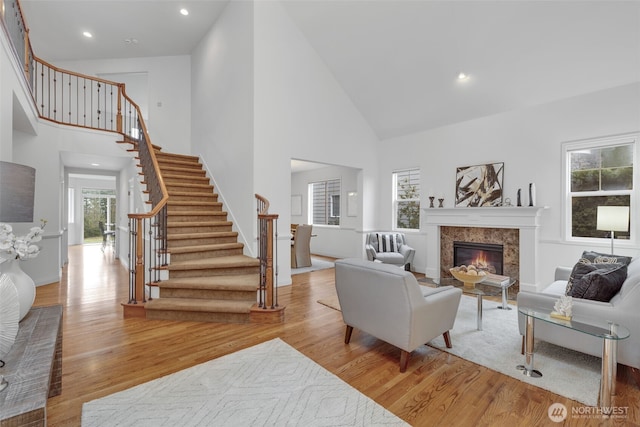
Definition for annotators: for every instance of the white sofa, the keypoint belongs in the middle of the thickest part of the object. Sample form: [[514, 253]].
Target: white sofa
[[388, 303], [623, 308]]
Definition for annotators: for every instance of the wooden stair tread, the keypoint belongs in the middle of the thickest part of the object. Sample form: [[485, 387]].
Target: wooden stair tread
[[197, 223], [165, 155], [192, 193], [181, 166], [211, 203], [187, 177], [193, 304], [231, 261], [212, 214], [240, 282], [209, 247], [208, 234]]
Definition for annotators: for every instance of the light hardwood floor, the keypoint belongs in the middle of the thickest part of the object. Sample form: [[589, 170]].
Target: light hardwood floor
[[104, 353]]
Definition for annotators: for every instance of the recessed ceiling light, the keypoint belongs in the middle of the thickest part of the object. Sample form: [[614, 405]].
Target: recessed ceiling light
[[131, 41], [184, 11], [87, 34], [95, 164], [463, 76]]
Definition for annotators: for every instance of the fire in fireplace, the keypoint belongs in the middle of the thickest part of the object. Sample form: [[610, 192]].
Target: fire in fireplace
[[485, 256]]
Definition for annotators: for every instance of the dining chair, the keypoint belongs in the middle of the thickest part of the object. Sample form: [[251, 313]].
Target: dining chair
[[300, 247]]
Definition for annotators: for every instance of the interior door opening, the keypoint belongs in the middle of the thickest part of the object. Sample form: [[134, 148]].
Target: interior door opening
[[99, 209]]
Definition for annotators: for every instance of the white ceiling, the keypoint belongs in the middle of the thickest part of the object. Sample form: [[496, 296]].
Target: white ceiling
[[56, 27], [396, 59]]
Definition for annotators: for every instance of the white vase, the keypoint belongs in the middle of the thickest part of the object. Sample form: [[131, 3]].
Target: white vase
[[24, 284]]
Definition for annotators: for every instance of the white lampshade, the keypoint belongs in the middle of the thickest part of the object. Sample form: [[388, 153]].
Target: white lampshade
[[613, 218]]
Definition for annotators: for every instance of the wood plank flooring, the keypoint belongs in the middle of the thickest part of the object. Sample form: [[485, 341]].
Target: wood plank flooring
[[104, 353]]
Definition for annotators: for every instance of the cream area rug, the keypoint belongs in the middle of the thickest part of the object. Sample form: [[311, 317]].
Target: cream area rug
[[270, 384], [565, 372]]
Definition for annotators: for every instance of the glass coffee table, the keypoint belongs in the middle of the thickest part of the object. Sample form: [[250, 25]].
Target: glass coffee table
[[479, 290], [610, 333]]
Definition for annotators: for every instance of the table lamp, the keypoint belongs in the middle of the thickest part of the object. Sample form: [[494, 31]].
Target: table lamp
[[613, 218]]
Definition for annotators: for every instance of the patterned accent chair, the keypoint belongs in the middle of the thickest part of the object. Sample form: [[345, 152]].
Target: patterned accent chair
[[389, 248]]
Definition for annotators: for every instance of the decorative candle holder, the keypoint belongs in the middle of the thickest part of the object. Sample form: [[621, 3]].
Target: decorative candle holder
[[441, 203], [431, 199]]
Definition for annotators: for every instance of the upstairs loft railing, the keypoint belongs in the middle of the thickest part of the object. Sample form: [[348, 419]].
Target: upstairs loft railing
[[75, 99]]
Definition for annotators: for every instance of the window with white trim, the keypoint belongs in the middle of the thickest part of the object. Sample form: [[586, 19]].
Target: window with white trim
[[598, 173], [406, 199], [324, 197]]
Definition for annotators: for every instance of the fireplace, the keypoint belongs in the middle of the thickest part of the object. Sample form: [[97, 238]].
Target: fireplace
[[484, 256], [488, 239], [516, 228]]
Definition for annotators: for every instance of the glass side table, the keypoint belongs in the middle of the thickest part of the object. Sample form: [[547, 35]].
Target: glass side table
[[610, 333], [479, 290]]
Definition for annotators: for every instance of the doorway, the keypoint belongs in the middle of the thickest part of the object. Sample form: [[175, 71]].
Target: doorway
[[99, 212]]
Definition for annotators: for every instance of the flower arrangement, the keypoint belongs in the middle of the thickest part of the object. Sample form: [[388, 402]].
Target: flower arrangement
[[21, 247]]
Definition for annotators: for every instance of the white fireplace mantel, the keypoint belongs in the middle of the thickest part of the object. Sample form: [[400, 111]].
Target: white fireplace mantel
[[525, 218]]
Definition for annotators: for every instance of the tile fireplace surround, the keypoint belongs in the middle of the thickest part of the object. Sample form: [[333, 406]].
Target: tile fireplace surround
[[524, 219]]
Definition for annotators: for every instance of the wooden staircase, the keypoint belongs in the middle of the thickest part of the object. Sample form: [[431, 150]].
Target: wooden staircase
[[210, 279]]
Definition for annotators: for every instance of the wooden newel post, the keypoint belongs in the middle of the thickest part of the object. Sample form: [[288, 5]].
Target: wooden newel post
[[26, 54], [139, 291], [119, 113], [269, 265]]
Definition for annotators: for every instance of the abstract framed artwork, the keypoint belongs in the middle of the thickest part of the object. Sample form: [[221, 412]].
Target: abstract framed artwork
[[479, 185]]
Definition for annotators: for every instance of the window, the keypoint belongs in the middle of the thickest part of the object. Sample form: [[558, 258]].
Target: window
[[325, 202], [406, 199], [598, 173]]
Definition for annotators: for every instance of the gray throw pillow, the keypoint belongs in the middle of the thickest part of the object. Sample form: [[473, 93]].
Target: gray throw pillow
[[594, 258], [600, 284], [600, 258], [585, 267]]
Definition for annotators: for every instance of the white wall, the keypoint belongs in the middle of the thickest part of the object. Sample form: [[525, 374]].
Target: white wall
[[262, 96], [301, 112], [222, 113], [528, 141], [169, 94]]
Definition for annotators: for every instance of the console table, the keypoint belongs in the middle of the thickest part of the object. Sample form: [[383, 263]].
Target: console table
[[33, 368], [609, 332]]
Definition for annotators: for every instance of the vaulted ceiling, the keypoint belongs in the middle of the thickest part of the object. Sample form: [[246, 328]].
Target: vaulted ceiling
[[397, 60]]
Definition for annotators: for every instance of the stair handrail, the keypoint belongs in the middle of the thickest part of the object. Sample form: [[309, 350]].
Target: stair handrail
[[267, 235], [17, 33], [48, 88]]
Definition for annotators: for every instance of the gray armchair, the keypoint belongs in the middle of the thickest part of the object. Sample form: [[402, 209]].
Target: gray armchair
[[389, 248], [388, 303]]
